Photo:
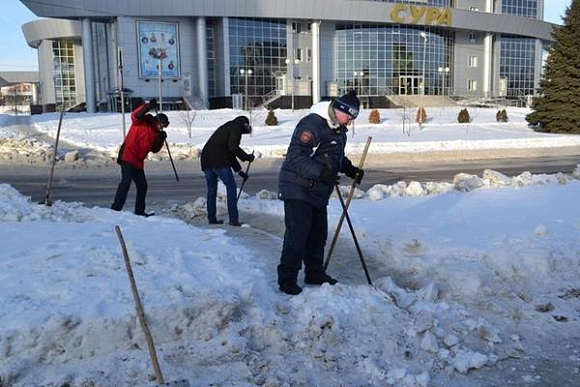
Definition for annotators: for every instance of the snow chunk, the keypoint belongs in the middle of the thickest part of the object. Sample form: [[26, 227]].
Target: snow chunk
[[541, 231], [496, 179], [266, 195], [465, 182], [466, 360]]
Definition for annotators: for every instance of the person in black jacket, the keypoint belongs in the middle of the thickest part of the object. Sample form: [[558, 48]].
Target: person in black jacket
[[307, 177], [218, 158]]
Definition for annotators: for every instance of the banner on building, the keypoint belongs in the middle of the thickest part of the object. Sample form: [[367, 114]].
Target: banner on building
[[158, 41]]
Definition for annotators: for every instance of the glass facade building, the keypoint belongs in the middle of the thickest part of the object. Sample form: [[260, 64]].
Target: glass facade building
[[280, 53]]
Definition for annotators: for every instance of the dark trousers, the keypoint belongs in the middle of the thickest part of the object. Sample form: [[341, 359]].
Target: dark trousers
[[304, 240], [130, 173]]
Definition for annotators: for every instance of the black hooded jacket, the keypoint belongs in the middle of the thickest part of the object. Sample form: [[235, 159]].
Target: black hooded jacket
[[222, 148]]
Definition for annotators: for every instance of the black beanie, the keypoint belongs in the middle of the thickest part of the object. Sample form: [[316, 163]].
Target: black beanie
[[162, 119], [348, 103]]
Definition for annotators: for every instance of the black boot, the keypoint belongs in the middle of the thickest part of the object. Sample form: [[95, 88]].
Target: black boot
[[290, 288], [216, 221], [145, 214], [319, 280]]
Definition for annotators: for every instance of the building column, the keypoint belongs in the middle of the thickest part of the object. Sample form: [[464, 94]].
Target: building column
[[226, 57], [202, 78], [34, 89], [88, 65], [315, 62], [487, 62]]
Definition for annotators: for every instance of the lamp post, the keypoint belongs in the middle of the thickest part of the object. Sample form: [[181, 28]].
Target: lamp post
[[246, 73], [424, 36], [292, 79], [443, 71]]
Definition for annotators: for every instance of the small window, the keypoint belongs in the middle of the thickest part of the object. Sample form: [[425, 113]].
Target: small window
[[471, 85], [472, 61], [472, 37]]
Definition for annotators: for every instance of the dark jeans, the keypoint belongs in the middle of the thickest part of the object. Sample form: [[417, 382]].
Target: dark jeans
[[227, 177], [128, 173], [304, 240]]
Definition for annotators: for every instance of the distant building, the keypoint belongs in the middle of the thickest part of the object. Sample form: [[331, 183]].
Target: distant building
[[285, 52], [18, 90]]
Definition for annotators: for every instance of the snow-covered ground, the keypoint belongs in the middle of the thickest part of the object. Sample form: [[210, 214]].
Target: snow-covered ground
[[442, 132], [475, 283]]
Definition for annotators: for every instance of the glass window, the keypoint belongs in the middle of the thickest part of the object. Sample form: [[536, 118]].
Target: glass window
[[264, 53], [517, 64], [64, 73], [384, 54]]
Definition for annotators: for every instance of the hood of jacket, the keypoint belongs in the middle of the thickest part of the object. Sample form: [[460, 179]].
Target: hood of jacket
[[243, 122], [323, 110]]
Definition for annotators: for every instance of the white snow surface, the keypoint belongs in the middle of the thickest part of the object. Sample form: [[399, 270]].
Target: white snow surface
[[473, 282], [441, 132]]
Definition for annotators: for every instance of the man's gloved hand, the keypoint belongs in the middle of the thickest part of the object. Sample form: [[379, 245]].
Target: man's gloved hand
[[355, 173], [162, 135], [243, 175], [251, 157], [329, 175], [152, 104]]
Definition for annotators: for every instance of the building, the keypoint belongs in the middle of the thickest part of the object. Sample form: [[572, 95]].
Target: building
[[224, 53], [18, 90]]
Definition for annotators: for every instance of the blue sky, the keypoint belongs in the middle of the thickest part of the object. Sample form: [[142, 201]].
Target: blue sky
[[21, 57]]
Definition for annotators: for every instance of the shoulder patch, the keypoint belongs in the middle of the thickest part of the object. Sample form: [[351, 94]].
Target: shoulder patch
[[306, 137]]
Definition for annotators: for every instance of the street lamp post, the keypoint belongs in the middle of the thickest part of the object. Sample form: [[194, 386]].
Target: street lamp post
[[443, 72], [246, 73], [160, 76], [292, 80], [424, 36]]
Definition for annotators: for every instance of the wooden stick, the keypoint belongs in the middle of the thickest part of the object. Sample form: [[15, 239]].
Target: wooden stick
[[345, 209], [140, 311]]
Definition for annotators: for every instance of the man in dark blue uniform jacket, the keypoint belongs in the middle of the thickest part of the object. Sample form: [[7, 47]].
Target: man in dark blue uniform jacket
[[307, 178]]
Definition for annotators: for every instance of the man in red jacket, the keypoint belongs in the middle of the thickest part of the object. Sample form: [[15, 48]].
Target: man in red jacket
[[145, 135]]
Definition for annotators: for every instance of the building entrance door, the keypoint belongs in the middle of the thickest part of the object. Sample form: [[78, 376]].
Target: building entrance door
[[409, 85]]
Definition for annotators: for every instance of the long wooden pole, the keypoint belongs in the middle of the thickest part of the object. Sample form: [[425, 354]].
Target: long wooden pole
[[47, 200], [140, 311], [345, 209]]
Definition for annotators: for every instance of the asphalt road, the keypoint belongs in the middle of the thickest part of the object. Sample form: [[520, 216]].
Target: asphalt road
[[97, 186]]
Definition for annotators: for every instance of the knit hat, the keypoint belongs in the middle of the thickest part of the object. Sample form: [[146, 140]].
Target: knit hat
[[162, 119], [348, 103]]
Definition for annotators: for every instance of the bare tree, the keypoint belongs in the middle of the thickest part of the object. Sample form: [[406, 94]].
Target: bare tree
[[187, 116]]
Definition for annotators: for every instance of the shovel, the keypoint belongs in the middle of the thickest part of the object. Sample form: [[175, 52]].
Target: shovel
[[143, 320]]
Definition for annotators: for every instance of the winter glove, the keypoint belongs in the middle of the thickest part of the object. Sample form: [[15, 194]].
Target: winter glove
[[251, 157], [355, 173], [243, 175], [329, 176], [152, 104], [162, 135]]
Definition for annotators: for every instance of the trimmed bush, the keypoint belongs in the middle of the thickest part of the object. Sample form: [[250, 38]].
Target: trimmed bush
[[271, 120], [501, 116], [375, 117], [463, 117], [421, 117]]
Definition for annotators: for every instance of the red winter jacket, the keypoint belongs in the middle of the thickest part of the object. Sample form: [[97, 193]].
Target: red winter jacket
[[141, 139]]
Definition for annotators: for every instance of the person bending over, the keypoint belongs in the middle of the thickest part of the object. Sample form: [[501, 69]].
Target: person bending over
[[145, 135], [218, 157]]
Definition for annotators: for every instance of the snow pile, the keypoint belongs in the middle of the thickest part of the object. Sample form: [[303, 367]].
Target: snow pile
[[462, 282]]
